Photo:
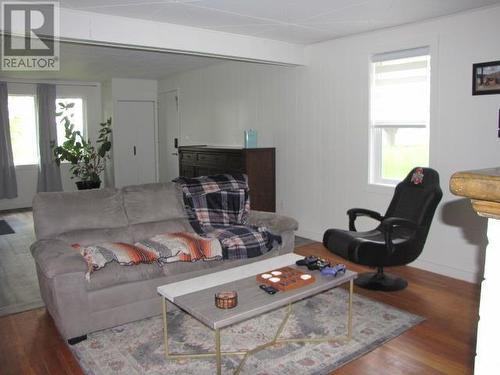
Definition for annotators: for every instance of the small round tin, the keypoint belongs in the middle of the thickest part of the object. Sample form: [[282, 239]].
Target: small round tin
[[226, 300]]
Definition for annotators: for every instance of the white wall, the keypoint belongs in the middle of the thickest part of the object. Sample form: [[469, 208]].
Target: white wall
[[27, 175], [463, 129], [217, 103], [317, 118]]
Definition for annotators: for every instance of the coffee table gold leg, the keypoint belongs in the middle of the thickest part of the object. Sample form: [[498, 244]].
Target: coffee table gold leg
[[349, 316], [165, 330], [217, 351]]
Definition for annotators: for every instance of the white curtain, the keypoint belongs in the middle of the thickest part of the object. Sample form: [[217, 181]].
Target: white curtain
[[8, 183], [49, 173]]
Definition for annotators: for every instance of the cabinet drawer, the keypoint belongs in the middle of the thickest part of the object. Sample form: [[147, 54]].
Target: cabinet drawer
[[188, 171], [212, 159], [235, 162], [188, 157]]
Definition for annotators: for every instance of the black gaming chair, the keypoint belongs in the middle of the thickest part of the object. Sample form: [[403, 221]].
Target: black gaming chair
[[400, 237]]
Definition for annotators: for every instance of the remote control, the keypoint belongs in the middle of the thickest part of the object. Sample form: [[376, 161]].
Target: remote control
[[268, 289]]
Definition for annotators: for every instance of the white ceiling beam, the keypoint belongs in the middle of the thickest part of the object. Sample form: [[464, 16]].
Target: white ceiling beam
[[97, 28]]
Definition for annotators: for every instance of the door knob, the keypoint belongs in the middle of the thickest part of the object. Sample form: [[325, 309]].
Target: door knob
[[175, 153]]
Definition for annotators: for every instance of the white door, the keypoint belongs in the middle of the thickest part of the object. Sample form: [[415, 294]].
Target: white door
[[168, 135], [134, 142]]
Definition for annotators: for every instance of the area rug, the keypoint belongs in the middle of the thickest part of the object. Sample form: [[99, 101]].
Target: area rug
[[137, 348], [5, 228]]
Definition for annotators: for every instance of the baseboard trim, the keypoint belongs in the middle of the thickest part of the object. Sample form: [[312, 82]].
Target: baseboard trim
[[446, 270], [309, 234], [423, 264], [5, 206], [21, 307]]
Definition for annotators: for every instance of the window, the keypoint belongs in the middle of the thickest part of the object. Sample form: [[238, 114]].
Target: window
[[23, 126], [23, 130], [76, 114], [400, 111]]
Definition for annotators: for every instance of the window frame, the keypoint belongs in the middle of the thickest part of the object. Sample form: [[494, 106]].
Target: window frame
[[89, 92], [375, 130]]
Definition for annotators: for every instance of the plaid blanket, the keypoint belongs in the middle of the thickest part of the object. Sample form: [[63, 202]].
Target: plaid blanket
[[216, 200], [242, 241], [218, 207]]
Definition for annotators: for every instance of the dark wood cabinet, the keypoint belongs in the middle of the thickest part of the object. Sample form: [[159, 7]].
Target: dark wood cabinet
[[257, 163]]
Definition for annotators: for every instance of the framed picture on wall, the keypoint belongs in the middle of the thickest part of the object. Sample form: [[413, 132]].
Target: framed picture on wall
[[486, 78]]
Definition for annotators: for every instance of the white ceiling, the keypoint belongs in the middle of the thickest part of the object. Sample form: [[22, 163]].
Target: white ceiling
[[97, 63], [296, 21]]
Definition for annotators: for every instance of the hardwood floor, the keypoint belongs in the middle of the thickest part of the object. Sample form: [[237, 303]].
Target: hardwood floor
[[30, 344], [443, 344]]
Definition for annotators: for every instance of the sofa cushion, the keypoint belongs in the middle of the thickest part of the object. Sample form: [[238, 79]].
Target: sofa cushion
[[153, 202], [121, 293], [60, 212], [114, 274], [146, 230], [117, 277], [98, 255], [90, 236]]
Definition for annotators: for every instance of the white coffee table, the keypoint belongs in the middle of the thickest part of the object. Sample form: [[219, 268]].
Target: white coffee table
[[196, 297]]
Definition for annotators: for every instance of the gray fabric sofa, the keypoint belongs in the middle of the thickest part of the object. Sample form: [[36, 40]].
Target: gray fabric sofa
[[117, 294]]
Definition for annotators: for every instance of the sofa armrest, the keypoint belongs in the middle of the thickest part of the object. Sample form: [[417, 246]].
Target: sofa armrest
[[56, 257], [274, 222]]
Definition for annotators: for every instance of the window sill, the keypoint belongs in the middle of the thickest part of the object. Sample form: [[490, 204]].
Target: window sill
[[22, 167], [25, 167]]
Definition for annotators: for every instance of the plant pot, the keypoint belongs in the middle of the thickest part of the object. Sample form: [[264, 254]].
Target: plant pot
[[86, 185]]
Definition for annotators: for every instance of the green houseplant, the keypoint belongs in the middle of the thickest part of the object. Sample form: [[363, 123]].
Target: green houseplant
[[87, 160]]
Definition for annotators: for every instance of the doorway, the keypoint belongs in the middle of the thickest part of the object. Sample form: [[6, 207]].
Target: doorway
[[168, 135]]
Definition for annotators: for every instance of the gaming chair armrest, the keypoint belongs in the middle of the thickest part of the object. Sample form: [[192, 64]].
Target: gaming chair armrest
[[387, 225], [355, 212]]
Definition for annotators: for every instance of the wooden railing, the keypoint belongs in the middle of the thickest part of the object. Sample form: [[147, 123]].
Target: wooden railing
[[482, 187]]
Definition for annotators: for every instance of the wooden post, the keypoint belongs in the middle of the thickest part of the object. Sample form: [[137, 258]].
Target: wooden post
[[483, 188]]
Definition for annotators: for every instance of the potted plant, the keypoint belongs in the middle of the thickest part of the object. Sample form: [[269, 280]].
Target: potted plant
[[88, 161]]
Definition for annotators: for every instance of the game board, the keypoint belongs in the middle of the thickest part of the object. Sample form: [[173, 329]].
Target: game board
[[289, 278]]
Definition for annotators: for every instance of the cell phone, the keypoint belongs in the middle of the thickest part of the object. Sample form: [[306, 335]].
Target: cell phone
[[268, 289]]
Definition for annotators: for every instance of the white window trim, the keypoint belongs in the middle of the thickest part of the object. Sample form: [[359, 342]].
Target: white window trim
[[377, 183]]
